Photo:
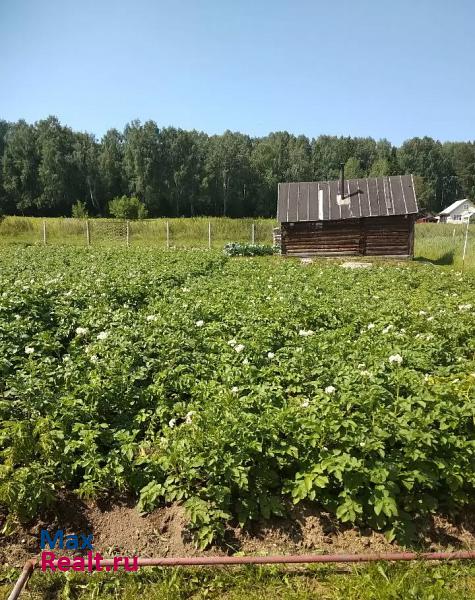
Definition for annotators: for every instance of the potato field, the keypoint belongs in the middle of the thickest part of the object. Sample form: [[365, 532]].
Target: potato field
[[235, 386]]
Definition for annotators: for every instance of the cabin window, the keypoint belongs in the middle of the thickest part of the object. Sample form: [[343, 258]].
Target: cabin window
[[465, 206], [457, 217]]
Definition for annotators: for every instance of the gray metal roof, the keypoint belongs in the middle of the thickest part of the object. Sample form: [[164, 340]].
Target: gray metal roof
[[370, 197]]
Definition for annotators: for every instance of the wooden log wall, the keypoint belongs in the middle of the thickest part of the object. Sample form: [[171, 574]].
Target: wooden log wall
[[373, 236]]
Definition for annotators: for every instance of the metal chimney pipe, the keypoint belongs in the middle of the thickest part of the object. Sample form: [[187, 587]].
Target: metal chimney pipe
[[342, 180]]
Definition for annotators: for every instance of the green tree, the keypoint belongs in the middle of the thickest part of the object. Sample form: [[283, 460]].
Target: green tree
[[142, 163], [461, 156], [353, 168], [21, 161], [380, 168], [79, 210], [87, 171], [275, 158], [111, 165], [5, 205], [57, 170], [182, 170], [228, 173], [328, 152], [125, 207], [424, 157]]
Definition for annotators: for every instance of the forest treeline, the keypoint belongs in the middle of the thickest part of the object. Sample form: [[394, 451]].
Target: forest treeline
[[47, 167]]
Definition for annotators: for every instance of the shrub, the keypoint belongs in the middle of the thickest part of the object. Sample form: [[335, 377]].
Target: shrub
[[238, 249], [79, 210], [124, 207]]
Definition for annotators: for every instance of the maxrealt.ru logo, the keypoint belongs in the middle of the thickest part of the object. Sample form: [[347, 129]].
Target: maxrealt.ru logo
[[91, 561]]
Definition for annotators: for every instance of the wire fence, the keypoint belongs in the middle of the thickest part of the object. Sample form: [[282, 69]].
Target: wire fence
[[443, 244], [165, 233]]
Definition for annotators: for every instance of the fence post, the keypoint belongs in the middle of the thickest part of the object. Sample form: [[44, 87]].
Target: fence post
[[127, 233], [253, 233], [465, 245], [44, 232], [209, 235], [88, 233], [168, 235]]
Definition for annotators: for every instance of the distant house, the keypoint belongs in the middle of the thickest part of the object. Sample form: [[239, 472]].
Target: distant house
[[368, 216], [459, 212]]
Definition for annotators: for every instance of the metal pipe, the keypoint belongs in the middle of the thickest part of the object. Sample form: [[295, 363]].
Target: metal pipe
[[21, 581], [262, 560], [342, 180], [295, 559]]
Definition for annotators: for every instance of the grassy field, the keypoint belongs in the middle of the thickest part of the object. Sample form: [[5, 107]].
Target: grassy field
[[442, 244], [379, 581], [182, 233]]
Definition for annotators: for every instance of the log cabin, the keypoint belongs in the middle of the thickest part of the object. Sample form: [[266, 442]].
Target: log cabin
[[367, 217]]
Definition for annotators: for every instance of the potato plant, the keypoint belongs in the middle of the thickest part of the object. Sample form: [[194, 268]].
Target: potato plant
[[235, 385]]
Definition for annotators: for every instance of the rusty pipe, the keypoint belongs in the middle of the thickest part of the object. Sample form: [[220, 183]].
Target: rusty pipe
[[22, 580], [261, 560], [295, 559]]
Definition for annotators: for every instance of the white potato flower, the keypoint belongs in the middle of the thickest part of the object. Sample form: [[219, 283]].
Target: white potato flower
[[103, 335], [305, 404], [270, 355], [371, 325], [306, 332], [189, 417], [199, 323], [171, 423], [235, 389], [330, 389], [239, 347], [232, 342], [388, 328], [29, 349], [81, 330], [151, 317], [395, 358]]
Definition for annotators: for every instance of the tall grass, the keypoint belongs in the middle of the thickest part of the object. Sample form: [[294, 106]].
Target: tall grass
[[443, 244], [377, 581], [193, 232], [438, 243]]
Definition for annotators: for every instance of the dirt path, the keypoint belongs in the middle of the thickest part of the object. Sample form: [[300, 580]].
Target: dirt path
[[120, 529]]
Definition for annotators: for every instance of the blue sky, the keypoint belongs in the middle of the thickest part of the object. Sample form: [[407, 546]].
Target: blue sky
[[393, 69]]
